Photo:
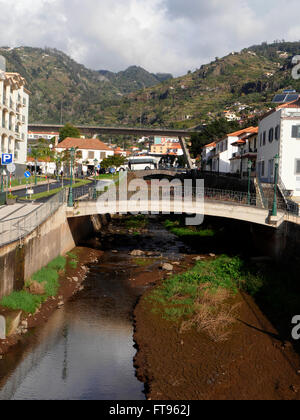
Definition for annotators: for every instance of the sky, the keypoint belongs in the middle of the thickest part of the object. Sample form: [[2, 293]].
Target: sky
[[171, 36]]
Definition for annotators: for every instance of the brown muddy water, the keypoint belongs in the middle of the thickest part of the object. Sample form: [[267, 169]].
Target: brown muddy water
[[85, 351]]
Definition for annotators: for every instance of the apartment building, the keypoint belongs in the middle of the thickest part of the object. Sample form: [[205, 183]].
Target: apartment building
[[14, 105], [279, 134], [247, 151], [90, 149], [226, 148]]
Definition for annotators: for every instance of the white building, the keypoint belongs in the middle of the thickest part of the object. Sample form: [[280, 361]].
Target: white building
[[14, 105], [37, 135], [247, 151], [279, 133], [91, 150], [207, 155], [226, 149]]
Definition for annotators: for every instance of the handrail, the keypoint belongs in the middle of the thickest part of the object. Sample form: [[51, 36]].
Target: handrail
[[16, 229]]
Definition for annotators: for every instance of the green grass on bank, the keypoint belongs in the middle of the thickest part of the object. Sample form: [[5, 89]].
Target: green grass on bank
[[179, 294], [184, 231], [48, 277], [22, 301], [136, 222]]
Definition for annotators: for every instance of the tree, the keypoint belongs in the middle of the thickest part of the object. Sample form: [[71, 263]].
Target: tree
[[68, 131], [111, 161], [212, 132]]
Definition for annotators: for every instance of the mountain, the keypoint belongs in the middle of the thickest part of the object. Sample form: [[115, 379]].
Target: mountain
[[134, 79], [60, 86], [242, 82]]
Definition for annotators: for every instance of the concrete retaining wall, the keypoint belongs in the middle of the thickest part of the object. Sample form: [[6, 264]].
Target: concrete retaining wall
[[56, 236]]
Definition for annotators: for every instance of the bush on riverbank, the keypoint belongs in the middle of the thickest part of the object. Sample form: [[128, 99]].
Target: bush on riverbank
[[204, 295], [47, 277], [182, 232]]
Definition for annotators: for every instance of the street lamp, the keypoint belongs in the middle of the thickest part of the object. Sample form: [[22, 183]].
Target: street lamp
[[249, 181], [95, 170], [274, 210], [58, 169], [35, 175], [71, 202]]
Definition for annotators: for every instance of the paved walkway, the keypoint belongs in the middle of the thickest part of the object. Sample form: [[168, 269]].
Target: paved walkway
[[17, 210], [12, 221]]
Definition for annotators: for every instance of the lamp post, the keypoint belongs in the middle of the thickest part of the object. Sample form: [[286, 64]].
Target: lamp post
[[35, 170], [249, 181], [58, 169], [274, 210], [70, 201], [95, 188]]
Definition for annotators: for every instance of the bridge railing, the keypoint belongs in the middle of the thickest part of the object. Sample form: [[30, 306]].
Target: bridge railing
[[16, 229], [208, 194]]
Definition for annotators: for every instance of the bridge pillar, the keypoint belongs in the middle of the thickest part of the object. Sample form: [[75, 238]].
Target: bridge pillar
[[269, 241], [186, 152]]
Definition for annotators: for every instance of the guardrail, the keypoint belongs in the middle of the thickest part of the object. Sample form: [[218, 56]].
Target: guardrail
[[16, 229]]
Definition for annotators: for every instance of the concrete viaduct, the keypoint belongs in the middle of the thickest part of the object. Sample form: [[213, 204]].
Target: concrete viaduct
[[93, 131]]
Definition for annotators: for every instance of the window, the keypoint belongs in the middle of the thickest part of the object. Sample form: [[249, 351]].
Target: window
[[91, 155], [277, 132], [102, 155], [296, 131], [271, 135], [298, 166], [271, 167], [262, 169], [264, 138]]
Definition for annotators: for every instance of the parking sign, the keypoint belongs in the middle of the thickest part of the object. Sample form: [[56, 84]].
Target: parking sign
[[7, 158]]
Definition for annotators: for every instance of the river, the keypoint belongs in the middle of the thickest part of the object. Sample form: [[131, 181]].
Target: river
[[85, 351]]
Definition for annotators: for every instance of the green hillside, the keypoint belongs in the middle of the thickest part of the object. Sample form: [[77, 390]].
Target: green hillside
[[249, 78], [243, 82], [60, 85]]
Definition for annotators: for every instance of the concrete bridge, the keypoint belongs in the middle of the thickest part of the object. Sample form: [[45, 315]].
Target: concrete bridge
[[43, 232], [212, 208], [93, 131]]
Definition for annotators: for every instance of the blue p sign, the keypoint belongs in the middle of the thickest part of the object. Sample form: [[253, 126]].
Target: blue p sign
[[7, 158]]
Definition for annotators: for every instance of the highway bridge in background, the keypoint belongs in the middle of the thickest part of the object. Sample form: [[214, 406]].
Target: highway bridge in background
[[93, 131]]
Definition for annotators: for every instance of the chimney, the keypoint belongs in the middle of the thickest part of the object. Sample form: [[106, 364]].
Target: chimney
[[2, 63]]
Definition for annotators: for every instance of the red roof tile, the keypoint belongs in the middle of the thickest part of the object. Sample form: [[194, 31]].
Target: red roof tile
[[82, 144]]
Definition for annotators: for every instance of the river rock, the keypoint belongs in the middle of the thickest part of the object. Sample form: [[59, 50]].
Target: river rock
[[36, 288], [13, 320], [137, 253], [199, 258], [2, 328], [212, 255], [167, 267]]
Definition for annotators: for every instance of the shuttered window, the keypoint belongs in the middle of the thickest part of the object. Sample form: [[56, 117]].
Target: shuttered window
[[296, 131], [271, 135], [298, 166], [277, 132]]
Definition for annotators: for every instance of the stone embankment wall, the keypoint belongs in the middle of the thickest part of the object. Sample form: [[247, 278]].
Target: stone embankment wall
[[57, 236]]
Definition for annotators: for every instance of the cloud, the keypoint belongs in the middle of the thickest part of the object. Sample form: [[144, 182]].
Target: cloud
[[159, 35]]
